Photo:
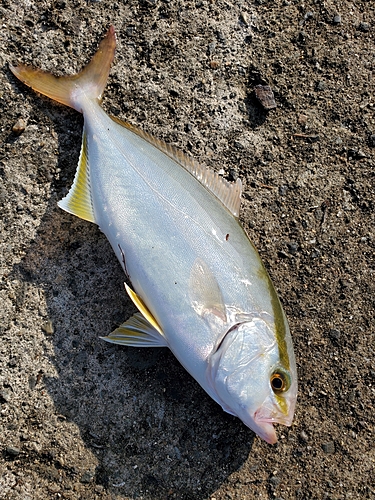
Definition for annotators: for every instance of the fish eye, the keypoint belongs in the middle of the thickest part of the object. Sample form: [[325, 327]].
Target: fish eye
[[280, 381]]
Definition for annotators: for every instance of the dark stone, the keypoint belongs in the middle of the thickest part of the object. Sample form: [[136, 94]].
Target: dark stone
[[130, 30], [335, 335], [265, 96], [4, 396], [337, 19], [12, 451], [329, 447], [365, 27], [87, 477], [275, 481], [292, 247]]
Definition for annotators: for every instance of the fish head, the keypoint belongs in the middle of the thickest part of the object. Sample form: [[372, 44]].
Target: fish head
[[253, 375]]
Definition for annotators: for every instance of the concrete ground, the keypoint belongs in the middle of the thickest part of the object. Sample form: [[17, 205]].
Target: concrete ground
[[82, 419]]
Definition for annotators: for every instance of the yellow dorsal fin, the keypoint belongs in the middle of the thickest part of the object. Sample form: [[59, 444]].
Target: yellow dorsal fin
[[78, 201], [229, 193]]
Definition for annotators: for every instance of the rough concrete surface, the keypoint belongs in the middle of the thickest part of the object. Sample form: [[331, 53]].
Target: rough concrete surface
[[82, 419]]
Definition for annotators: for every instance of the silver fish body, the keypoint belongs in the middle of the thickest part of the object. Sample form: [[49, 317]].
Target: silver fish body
[[198, 281]]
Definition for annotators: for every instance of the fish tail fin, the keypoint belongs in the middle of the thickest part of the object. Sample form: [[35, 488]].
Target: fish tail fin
[[70, 90]]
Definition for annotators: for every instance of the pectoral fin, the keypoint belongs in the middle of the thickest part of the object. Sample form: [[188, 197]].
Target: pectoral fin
[[137, 332], [205, 292]]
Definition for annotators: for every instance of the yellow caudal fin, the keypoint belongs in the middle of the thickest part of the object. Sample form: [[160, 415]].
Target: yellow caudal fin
[[89, 82]]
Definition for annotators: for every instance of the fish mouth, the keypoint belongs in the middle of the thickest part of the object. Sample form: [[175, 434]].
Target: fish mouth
[[266, 415], [267, 432], [264, 420], [262, 426]]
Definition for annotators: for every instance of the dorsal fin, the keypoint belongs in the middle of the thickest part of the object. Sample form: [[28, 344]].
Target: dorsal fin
[[78, 201], [229, 193]]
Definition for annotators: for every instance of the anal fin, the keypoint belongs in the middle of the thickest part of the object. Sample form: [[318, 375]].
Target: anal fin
[[137, 332]]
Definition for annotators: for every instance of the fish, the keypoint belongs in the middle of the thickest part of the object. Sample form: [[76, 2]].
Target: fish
[[197, 281]]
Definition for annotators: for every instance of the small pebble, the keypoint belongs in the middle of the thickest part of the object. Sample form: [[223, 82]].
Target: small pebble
[[304, 436], [335, 334], [13, 451], [329, 447], [130, 30], [337, 19], [301, 37], [214, 64], [321, 85], [211, 48], [4, 396], [265, 96], [233, 175], [87, 477], [282, 254], [221, 37], [32, 382], [244, 18], [292, 247], [47, 327], [275, 481], [361, 154], [19, 126], [365, 27], [356, 154], [302, 119]]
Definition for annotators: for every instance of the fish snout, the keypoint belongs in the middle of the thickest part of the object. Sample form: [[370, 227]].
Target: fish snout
[[280, 411]]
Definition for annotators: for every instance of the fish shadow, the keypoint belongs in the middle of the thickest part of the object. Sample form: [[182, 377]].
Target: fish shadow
[[153, 430]]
